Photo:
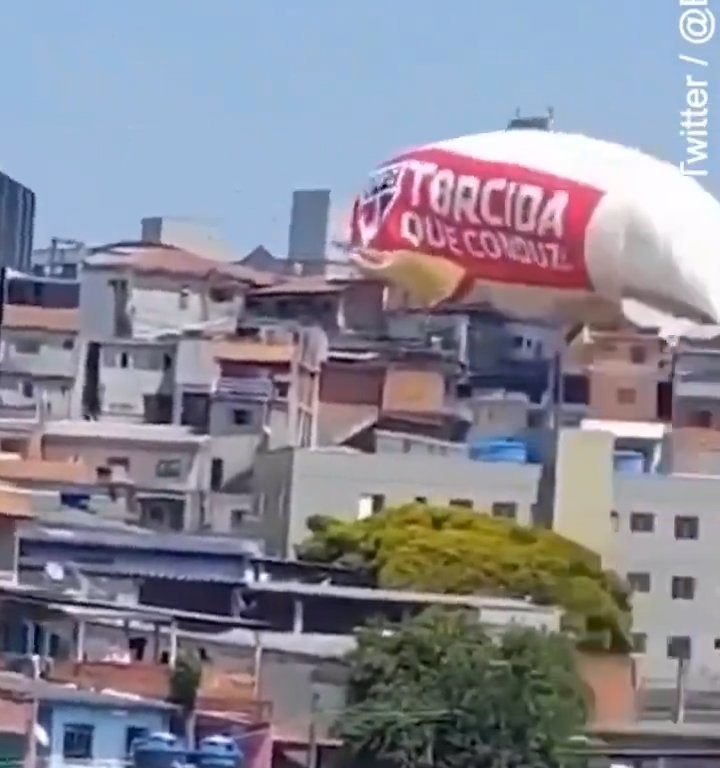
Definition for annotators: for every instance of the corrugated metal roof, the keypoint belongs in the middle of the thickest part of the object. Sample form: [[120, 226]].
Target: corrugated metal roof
[[157, 567], [148, 541]]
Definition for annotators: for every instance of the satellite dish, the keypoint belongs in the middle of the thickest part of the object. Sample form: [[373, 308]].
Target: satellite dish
[[54, 571]]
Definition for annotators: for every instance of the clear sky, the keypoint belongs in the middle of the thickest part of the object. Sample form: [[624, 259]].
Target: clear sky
[[113, 110]]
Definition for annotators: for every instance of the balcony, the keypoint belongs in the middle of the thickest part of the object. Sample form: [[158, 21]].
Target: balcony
[[698, 384]]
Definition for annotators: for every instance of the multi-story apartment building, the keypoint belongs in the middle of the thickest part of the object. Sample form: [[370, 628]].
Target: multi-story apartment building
[[659, 532]]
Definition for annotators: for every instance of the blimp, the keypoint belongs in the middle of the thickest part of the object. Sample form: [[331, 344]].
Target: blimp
[[542, 225]]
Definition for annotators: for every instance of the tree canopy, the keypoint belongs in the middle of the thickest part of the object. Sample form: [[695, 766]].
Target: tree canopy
[[445, 549], [437, 691]]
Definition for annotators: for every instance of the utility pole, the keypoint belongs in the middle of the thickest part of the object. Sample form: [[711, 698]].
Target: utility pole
[[312, 754], [679, 713]]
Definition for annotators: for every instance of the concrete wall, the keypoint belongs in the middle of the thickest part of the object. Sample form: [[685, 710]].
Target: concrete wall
[[336, 482], [290, 682], [128, 372], [272, 482], [56, 354], [143, 460], [110, 732], [584, 489], [25, 393], [155, 304]]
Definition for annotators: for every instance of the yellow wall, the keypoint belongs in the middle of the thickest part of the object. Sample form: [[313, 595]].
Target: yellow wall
[[584, 490]]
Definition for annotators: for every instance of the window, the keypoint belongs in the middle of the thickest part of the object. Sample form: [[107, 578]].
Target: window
[[241, 417], [507, 509], [183, 297], [237, 519], [119, 461], [168, 468], [78, 741], [27, 346], [217, 471], [642, 522], [132, 734], [626, 396], [124, 359], [683, 588], [679, 647], [686, 527], [638, 354], [464, 503], [406, 445], [68, 343], [281, 389], [639, 582], [27, 389], [166, 361], [639, 642], [220, 295], [370, 504], [614, 521]]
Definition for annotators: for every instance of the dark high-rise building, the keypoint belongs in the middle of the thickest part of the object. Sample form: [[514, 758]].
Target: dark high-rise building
[[17, 221], [307, 238]]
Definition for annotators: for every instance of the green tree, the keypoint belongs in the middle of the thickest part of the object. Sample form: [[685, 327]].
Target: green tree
[[437, 691], [184, 685], [442, 549]]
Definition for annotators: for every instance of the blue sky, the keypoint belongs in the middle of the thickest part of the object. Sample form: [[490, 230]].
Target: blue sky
[[219, 108]]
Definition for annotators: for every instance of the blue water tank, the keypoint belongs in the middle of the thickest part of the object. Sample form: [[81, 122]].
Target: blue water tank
[[630, 462], [512, 451], [218, 752], [159, 750]]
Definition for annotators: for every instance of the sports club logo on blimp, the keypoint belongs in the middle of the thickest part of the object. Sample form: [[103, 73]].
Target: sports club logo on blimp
[[375, 203]]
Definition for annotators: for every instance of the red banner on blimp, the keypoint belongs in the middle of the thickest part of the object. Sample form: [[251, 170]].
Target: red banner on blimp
[[501, 222]]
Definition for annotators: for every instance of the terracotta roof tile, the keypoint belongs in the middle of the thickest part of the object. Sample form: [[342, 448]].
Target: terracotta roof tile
[[299, 286], [178, 262], [25, 316]]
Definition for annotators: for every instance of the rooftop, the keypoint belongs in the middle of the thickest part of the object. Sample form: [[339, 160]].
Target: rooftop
[[115, 430], [23, 687], [252, 351], [27, 317], [145, 540], [370, 594], [646, 430], [164, 260], [301, 286], [15, 469]]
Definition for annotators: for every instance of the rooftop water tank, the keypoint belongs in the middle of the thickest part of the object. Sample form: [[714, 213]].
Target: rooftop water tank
[[159, 750], [512, 451], [218, 752]]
